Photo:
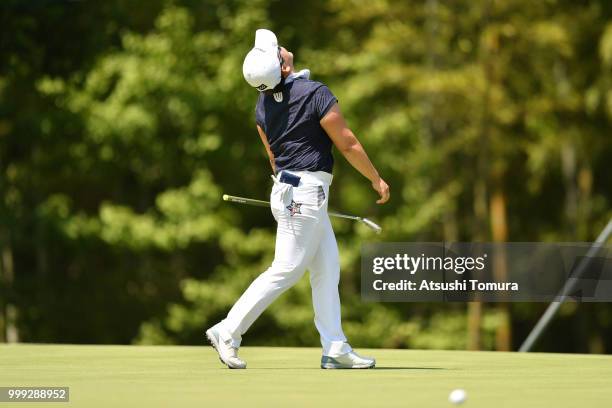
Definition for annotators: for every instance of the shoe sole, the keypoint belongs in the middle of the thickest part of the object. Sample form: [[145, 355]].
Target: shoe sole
[[335, 367]]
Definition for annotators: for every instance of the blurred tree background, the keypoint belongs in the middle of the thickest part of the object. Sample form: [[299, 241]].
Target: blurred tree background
[[122, 122]]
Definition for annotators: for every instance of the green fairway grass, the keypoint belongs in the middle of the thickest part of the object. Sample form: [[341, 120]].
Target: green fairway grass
[[173, 376]]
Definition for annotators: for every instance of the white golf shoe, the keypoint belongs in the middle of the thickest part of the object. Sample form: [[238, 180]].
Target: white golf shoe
[[348, 360], [227, 354]]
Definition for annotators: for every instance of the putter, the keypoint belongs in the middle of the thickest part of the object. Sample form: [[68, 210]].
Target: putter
[[260, 203]]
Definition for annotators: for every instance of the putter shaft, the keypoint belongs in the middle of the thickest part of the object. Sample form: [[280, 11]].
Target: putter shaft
[[261, 203]]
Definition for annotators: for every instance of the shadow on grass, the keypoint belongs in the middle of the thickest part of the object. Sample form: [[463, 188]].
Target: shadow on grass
[[410, 368], [364, 369]]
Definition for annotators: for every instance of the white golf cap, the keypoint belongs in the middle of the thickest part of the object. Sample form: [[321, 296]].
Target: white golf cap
[[261, 67], [265, 39]]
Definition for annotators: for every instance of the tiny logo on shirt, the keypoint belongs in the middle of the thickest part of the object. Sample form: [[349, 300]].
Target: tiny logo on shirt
[[278, 96], [294, 208]]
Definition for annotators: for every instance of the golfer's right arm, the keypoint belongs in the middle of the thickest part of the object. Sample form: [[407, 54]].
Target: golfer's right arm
[[345, 141]]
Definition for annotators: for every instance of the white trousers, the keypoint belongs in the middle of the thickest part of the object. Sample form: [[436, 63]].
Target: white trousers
[[304, 240]]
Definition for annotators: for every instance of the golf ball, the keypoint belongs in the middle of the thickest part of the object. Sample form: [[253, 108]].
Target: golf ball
[[458, 396]]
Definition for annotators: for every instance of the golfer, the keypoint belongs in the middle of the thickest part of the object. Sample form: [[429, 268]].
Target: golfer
[[298, 121]]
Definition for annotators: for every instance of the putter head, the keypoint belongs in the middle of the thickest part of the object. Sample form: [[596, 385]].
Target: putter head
[[372, 225]]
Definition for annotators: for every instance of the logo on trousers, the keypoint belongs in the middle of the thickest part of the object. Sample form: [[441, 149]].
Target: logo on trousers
[[294, 208]]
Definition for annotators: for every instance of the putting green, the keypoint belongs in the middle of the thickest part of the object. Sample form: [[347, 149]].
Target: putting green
[[173, 376]]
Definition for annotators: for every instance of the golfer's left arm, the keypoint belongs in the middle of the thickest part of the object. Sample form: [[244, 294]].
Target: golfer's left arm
[[264, 140], [335, 126]]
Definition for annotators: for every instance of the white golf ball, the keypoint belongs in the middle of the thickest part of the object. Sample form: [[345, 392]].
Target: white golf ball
[[458, 396]]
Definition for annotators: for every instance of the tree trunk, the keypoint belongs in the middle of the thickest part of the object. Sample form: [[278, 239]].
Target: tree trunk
[[3, 290], [568, 165], [474, 309], [474, 317], [499, 230], [585, 187], [480, 232], [10, 332]]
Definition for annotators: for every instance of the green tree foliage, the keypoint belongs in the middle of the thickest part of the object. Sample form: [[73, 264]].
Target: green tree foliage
[[119, 134]]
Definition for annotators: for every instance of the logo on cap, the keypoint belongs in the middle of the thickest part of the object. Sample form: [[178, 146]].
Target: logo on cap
[[262, 87]]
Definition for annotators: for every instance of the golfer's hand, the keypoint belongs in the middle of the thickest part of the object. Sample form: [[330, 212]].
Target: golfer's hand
[[382, 189]]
